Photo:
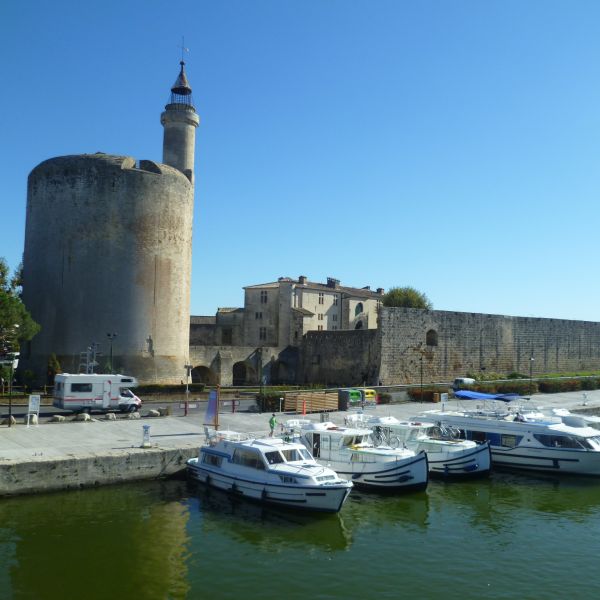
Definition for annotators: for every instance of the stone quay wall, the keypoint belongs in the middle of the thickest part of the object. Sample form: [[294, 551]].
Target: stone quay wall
[[443, 345], [33, 476]]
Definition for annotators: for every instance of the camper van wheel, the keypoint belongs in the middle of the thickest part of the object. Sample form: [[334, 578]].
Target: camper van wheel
[[132, 408], [86, 410]]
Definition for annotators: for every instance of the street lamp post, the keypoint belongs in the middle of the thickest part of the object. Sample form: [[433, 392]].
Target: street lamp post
[[188, 370], [531, 359], [14, 363], [111, 337], [421, 398]]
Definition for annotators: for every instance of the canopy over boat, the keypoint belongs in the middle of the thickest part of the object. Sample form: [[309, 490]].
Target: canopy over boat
[[469, 395]]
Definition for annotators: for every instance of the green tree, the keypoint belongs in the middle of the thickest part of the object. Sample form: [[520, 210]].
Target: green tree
[[53, 368], [406, 297], [16, 324]]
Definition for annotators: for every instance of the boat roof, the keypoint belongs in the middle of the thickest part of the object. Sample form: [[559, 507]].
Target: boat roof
[[334, 429]]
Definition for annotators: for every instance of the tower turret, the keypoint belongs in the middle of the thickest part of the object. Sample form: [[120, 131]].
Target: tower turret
[[180, 121]]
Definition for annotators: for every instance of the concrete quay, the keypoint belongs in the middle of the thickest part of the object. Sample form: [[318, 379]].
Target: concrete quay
[[71, 455]]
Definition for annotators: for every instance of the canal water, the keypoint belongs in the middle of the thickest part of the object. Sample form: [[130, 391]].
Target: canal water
[[512, 536]]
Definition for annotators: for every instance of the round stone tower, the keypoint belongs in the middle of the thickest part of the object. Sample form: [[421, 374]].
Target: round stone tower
[[180, 121], [108, 246]]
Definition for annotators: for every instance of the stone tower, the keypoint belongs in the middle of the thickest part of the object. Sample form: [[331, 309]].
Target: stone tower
[[108, 247], [180, 121]]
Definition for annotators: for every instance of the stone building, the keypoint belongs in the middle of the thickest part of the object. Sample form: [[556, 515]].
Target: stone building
[[108, 246], [280, 313], [261, 341]]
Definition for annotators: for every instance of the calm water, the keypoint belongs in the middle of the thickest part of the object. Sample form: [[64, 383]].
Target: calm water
[[511, 536]]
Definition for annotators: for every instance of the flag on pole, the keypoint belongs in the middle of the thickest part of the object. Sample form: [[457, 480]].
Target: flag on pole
[[212, 408]]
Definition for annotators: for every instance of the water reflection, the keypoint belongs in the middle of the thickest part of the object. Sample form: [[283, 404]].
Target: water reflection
[[505, 499], [132, 537], [269, 528]]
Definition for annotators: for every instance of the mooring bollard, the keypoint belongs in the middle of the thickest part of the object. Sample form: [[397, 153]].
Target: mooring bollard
[[146, 436]]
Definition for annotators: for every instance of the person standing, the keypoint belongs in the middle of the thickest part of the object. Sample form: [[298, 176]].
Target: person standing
[[272, 423]]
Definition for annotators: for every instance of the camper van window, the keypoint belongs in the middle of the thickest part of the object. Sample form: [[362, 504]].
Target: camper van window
[[81, 387], [59, 386], [126, 380], [125, 393]]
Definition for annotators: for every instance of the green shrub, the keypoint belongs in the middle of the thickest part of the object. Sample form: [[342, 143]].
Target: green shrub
[[515, 375], [553, 386]]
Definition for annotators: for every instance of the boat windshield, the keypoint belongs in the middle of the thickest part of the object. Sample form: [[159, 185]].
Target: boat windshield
[[274, 457], [294, 454]]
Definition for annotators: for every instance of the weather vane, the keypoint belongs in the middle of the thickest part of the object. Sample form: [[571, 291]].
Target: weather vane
[[183, 48]]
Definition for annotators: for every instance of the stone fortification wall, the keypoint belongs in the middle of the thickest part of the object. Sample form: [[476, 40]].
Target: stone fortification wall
[[340, 358], [449, 344], [108, 250]]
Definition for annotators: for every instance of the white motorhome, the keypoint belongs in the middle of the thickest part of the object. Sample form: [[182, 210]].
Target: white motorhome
[[86, 392]]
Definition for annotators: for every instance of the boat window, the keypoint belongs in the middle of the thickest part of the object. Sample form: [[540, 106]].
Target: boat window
[[287, 479], [509, 441], [248, 458], [347, 440], [211, 459], [557, 441], [305, 454], [594, 442], [274, 457], [477, 436], [292, 454]]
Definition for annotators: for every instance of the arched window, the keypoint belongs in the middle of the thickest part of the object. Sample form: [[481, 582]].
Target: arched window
[[358, 309], [431, 338]]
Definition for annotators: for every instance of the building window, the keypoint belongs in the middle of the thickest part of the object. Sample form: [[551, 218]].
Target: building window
[[359, 325], [319, 327], [227, 336], [320, 316], [334, 328], [258, 315], [431, 339], [263, 297], [334, 317], [321, 298], [358, 309], [335, 300], [262, 333]]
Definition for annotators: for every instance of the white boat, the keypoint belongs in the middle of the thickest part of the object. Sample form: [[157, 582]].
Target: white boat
[[269, 470], [524, 440], [448, 456], [353, 455]]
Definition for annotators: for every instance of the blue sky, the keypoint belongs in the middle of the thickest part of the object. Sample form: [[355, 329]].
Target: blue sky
[[450, 146]]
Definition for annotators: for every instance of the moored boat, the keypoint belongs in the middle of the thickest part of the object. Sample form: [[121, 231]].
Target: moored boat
[[269, 470], [528, 441], [353, 455], [448, 456]]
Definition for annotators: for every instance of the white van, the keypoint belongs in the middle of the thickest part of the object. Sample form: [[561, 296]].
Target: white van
[[86, 392], [461, 382]]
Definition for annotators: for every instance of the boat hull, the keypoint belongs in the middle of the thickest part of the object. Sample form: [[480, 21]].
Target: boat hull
[[561, 460], [463, 464], [402, 475], [322, 498]]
